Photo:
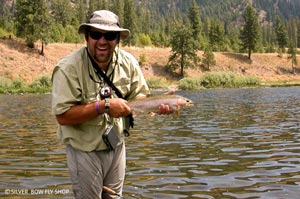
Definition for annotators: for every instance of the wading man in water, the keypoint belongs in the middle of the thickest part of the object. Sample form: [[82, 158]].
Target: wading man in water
[[89, 99]]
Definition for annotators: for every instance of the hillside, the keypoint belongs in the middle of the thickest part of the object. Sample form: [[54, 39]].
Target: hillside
[[19, 62]]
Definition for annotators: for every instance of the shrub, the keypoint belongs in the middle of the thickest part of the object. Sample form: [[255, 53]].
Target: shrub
[[17, 84], [227, 80], [145, 40], [41, 85], [71, 35], [142, 59], [3, 33], [157, 83], [4, 84], [43, 81], [189, 83]]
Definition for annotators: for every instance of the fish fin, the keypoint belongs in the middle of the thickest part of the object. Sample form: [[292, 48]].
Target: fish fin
[[170, 92], [177, 110], [134, 113], [152, 113]]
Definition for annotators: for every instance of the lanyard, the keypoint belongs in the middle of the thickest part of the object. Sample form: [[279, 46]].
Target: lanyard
[[107, 80]]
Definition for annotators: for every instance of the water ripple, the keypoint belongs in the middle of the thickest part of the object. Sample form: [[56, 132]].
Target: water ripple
[[234, 143]]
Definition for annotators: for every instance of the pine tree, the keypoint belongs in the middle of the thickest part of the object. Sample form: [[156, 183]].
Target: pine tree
[[6, 15], [216, 35], [206, 25], [42, 21], [82, 11], [298, 34], [281, 35], [292, 51], [61, 12], [118, 9], [130, 20], [195, 21], [183, 50], [233, 39], [32, 21], [250, 32], [208, 58]]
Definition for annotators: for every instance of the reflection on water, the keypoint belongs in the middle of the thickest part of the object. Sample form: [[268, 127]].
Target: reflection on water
[[234, 143], [30, 156]]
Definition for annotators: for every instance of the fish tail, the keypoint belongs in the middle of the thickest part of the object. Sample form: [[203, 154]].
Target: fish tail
[[177, 110]]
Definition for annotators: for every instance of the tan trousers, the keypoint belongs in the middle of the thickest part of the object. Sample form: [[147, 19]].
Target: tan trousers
[[90, 171]]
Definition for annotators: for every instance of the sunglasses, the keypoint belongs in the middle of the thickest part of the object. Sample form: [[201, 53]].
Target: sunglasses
[[109, 36]]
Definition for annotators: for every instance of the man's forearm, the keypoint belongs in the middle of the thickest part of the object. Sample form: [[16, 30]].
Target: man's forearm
[[78, 114]]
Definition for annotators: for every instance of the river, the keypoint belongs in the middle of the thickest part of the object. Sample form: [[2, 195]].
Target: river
[[233, 143]]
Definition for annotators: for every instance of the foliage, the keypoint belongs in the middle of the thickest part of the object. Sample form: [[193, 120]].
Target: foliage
[[183, 50], [32, 21], [227, 80], [281, 34], [195, 21], [62, 12], [218, 80], [216, 35], [189, 83], [208, 58], [142, 59], [157, 83], [130, 20], [41, 82], [6, 16], [250, 32], [39, 85], [16, 86], [144, 40], [71, 35], [4, 82], [215, 23], [3, 33], [57, 33], [292, 51]]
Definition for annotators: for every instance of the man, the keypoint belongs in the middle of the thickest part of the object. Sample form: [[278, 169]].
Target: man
[[87, 106]]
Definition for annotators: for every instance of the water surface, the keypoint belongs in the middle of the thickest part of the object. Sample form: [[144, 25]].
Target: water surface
[[234, 143]]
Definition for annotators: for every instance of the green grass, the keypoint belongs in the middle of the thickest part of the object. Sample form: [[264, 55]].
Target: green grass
[[39, 85], [218, 80], [207, 80], [190, 83], [157, 83]]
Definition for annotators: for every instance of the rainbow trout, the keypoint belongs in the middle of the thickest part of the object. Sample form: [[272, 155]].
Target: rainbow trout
[[151, 103]]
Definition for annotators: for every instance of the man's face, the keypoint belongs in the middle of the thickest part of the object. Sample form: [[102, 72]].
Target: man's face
[[101, 45]]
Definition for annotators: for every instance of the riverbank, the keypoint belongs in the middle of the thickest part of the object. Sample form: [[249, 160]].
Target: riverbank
[[17, 62]]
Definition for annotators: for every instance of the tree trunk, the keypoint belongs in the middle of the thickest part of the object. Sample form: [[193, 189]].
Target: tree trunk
[[249, 54], [181, 66], [42, 50], [293, 67]]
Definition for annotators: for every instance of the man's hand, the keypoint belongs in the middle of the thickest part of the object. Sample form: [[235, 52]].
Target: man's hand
[[164, 109], [119, 108]]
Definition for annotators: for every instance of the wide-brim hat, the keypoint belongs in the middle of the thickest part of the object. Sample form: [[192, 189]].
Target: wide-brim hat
[[104, 20]]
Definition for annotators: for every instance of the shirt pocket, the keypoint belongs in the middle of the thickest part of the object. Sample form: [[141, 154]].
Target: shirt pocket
[[123, 84], [89, 97]]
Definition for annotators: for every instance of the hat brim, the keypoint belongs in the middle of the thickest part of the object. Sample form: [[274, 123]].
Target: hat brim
[[124, 33]]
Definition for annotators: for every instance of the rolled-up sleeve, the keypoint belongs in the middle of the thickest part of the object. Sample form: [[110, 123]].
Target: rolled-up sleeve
[[66, 91]]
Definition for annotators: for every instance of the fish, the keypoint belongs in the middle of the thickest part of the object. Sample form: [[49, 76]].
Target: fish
[[151, 103]]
